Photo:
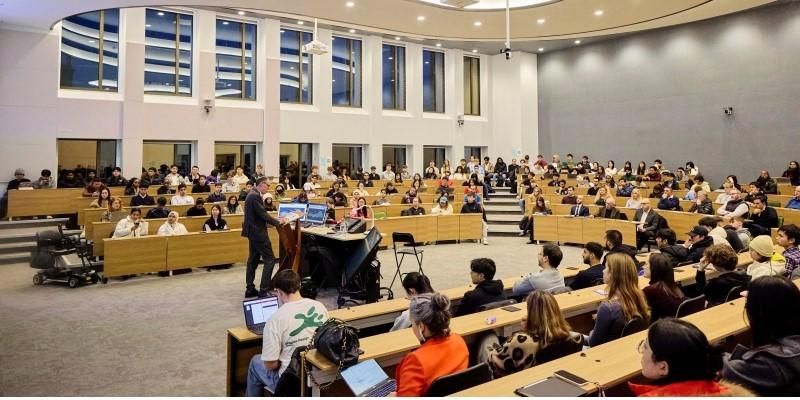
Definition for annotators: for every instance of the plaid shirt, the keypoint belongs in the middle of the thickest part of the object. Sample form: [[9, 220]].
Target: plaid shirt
[[792, 256]]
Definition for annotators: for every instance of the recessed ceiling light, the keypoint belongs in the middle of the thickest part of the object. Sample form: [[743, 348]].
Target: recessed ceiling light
[[427, 62], [421, 18], [541, 49], [474, 50], [300, 22], [160, 14], [477, 23], [350, 4], [91, 41], [147, 25], [241, 13], [352, 31], [578, 42], [438, 45], [540, 21], [225, 22], [390, 58], [397, 38], [598, 13], [283, 31]]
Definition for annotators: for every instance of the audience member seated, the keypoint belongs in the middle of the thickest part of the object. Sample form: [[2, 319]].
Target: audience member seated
[[67, 180], [116, 178], [443, 207], [45, 181], [570, 198], [230, 185], [131, 226], [793, 173], [165, 189], [215, 222], [724, 260], [232, 206], [653, 175], [657, 191], [624, 302], [771, 366], [487, 290], [171, 226], [430, 322], [151, 177], [181, 198], [635, 201], [602, 196], [292, 326], [102, 199], [409, 196], [414, 284], [361, 211], [114, 212], [648, 222], [723, 197], [390, 189], [696, 245], [609, 210], [216, 196], [578, 210], [382, 199], [93, 188], [665, 240], [240, 178], [762, 217], [142, 198], [546, 277], [678, 359], [701, 205], [545, 336], [173, 179], [201, 186], [754, 189], [132, 186], [788, 238], [795, 202], [614, 245], [764, 264], [197, 210], [717, 233], [160, 210], [735, 226], [592, 276], [415, 209], [734, 207], [668, 201], [662, 294], [269, 204], [471, 206]]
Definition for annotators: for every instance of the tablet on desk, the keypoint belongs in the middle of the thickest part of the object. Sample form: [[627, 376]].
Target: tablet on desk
[[551, 387]]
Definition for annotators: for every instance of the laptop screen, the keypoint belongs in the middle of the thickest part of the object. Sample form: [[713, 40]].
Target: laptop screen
[[317, 213], [258, 311], [363, 376], [285, 209]]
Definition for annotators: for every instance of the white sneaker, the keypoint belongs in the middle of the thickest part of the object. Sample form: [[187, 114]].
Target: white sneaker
[[485, 242]]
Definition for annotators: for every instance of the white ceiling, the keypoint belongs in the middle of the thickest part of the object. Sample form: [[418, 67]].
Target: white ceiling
[[563, 20]]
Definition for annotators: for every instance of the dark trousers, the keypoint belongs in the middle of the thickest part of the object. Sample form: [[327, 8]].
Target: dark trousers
[[260, 250], [642, 238]]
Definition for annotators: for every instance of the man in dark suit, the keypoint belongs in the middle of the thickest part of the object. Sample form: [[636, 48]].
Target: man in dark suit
[[579, 210], [609, 210], [648, 221], [763, 217], [254, 228]]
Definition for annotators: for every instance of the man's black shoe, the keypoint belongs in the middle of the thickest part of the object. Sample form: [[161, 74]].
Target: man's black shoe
[[250, 293]]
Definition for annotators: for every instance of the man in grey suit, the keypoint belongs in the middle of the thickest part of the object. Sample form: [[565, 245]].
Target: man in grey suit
[[648, 223], [254, 228]]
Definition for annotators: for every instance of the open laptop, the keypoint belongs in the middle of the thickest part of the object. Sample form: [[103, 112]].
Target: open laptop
[[315, 216], [288, 210], [367, 379], [258, 311]]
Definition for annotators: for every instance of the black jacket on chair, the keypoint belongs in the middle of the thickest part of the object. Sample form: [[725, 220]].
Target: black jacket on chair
[[484, 293]]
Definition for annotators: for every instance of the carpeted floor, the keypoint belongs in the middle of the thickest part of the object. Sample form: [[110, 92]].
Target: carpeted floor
[[152, 336]]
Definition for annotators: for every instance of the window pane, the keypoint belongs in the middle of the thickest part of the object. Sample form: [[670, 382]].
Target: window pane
[[81, 39], [346, 72], [236, 55], [472, 86], [290, 69], [250, 61], [393, 77], [307, 78], [432, 81], [186, 33], [160, 37]]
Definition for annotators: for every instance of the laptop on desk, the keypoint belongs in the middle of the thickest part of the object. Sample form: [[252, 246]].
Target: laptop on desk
[[367, 379], [315, 216], [258, 311]]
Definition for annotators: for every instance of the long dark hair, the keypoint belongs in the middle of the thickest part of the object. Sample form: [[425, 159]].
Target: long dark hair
[[685, 349], [770, 308], [420, 283], [662, 275]]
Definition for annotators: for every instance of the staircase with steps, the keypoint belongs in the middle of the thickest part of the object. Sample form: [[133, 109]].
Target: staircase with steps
[[18, 238], [503, 213]]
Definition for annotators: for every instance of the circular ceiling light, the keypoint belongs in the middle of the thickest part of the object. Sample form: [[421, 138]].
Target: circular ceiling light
[[486, 5], [598, 13]]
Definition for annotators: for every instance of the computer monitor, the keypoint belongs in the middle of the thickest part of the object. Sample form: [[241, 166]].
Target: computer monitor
[[285, 209], [316, 214]]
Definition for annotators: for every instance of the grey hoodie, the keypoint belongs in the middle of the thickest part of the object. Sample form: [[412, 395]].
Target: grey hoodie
[[770, 370]]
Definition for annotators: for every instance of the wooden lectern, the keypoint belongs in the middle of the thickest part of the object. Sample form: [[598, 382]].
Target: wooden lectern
[[290, 241]]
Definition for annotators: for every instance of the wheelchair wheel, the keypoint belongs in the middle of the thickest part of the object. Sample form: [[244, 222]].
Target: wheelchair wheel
[[38, 279], [73, 282]]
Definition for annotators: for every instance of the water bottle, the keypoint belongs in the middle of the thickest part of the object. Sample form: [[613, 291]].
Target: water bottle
[[343, 228]]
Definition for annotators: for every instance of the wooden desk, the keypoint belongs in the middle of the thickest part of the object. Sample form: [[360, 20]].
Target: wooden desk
[[567, 229], [206, 249], [131, 256], [28, 203]]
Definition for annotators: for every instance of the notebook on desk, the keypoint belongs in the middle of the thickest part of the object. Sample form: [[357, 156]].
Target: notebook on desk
[[551, 387]]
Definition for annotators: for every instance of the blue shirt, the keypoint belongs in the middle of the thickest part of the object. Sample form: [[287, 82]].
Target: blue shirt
[[793, 203], [546, 280]]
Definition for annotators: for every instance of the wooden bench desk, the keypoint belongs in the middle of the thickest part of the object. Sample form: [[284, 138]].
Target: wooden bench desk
[[567, 229], [29, 203]]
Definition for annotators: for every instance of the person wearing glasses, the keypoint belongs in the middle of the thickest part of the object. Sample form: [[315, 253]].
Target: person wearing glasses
[[678, 359]]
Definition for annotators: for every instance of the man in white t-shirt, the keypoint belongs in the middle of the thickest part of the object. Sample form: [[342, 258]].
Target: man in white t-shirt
[[182, 198], [290, 327]]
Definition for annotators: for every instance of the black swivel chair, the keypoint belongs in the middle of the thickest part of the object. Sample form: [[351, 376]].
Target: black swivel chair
[[691, 306], [636, 324], [410, 248], [734, 293], [458, 381], [497, 304]]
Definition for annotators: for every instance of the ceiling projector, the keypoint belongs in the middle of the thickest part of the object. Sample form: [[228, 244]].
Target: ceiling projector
[[315, 47], [459, 3]]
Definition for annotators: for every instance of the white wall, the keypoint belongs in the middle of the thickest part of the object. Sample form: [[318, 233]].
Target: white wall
[[34, 112]]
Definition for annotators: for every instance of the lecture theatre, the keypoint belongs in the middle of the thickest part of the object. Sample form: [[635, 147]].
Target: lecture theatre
[[399, 198]]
